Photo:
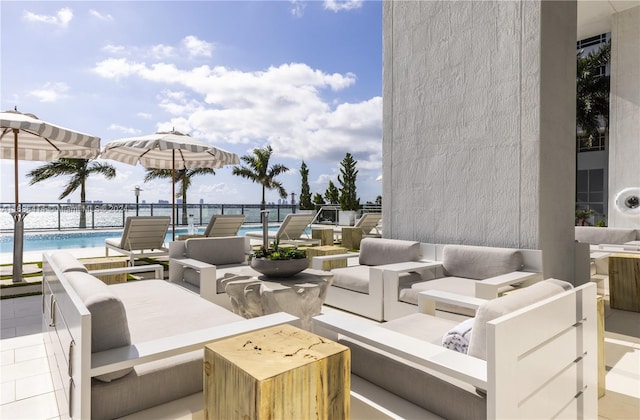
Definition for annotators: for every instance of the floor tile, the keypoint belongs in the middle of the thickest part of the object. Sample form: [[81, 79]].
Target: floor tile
[[24, 369], [22, 341], [35, 408], [6, 357], [7, 392], [33, 385], [30, 352]]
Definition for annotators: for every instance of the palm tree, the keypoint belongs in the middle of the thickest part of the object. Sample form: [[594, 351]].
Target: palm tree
[[592, 92], [80, 170], [183, 176], [258, 170]]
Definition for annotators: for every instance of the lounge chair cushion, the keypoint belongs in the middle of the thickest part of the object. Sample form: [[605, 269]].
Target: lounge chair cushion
[[421, 326], [378, 251], [67, 262], [109, 326], [495, 308], [478, 262]]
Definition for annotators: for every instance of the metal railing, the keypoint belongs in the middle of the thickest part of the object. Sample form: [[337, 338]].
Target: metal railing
[[69, 216]]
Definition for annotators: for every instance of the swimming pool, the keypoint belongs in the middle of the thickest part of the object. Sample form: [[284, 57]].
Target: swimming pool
[[86, 239]]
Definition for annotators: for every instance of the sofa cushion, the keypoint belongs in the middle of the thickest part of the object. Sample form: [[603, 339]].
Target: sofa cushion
[[480, 262], [109, 327], [495, 308], [378, 251], [217, 251], [66, 262], [605, 235]]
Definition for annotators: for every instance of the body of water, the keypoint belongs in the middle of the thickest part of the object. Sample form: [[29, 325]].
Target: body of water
[[83, 239]]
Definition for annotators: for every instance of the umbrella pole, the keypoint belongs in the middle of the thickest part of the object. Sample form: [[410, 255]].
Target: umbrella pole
[[18, 219], [173, 195]]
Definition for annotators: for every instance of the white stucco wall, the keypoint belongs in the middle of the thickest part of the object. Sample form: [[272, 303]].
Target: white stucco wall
[[624, 119], [479, 125]]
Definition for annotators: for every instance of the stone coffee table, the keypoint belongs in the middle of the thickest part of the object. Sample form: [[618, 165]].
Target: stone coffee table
[[302, 295]]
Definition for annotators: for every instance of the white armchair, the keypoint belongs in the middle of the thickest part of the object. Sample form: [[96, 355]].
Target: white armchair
[[201, 264], [474, 271], [359, 288]]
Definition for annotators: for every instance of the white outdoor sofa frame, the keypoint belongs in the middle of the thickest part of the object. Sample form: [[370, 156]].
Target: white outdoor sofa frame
[[541, 359], [484, 289], [67, 327]]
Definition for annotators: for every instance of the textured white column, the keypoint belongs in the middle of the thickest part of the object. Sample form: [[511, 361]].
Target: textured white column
[[479, 125], [624, 121]]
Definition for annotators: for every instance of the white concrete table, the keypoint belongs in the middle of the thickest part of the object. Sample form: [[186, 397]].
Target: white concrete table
[[302, 295]]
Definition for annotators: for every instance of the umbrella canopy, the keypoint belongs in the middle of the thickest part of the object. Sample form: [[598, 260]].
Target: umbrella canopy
[[168, 150], [25, 137]]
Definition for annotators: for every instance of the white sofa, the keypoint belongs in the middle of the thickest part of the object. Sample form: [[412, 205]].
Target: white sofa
[[118, 349], [475, 271], [531, 354], [201, 264]]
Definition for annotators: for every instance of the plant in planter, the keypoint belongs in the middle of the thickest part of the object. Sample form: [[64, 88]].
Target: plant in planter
[[349, 202], [279, 262]]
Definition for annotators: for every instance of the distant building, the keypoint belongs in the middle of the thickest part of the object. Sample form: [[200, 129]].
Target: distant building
[[163, 202]]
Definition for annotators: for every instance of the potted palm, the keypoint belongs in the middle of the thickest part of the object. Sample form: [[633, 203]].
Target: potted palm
[[279, 262]]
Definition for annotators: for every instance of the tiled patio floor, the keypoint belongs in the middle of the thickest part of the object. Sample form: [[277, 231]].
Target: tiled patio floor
[[27, 390]]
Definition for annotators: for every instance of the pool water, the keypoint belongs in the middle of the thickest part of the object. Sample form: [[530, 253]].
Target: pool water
[[92, 239]]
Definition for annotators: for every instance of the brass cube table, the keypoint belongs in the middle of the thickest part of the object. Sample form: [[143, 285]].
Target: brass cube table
[[317, 251], [280, 372], [107, 262], [624, 281], [324, 234]]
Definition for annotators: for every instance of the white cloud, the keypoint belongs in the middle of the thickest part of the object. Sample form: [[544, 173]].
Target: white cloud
[[298, 8], [98, 15], [287, 106], [144, 115], [161, 51], [61, 18], [51, 92], [197, 47], [340, 5], [123, 129], [114, 49]]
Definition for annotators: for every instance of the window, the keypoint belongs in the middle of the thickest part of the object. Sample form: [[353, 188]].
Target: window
[[590, 190], [586, 144]]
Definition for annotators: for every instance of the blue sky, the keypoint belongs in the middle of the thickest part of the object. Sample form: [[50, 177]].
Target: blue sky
[[302, 76]]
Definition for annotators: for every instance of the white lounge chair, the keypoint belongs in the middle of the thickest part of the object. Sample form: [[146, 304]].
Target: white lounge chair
[[224, 225], [141, 233], [368, 222], [292, 230]]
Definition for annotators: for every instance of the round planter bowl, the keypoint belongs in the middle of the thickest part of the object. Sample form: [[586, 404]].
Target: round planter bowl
[[279, 268]]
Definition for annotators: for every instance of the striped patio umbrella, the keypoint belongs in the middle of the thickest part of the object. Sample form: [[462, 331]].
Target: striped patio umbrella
[[25, 137], [168, 150]]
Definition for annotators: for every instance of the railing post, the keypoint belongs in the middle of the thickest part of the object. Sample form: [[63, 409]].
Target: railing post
[[93, 216], [124, 213], [59, 221]]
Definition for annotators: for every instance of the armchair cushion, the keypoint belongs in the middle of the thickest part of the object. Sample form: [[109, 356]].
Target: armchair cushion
[[356, 278], [478, 262], [217, 251], [109, 326], [378, 251], [495, 308]]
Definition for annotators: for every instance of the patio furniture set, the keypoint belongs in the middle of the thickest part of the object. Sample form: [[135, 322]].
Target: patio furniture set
[[123, 342]]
